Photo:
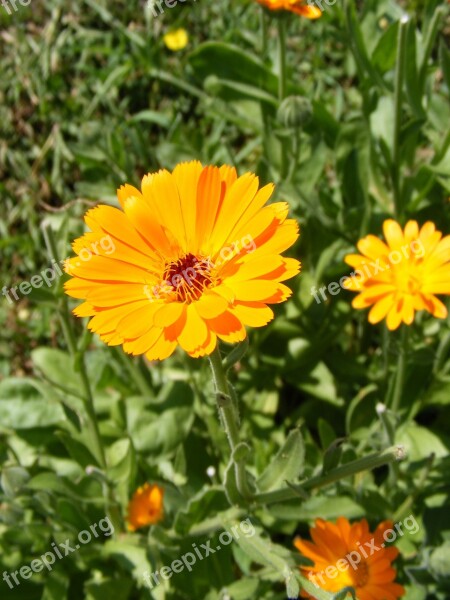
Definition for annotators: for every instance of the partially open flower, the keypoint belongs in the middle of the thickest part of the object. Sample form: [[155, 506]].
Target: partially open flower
[[145, 507], [349, 555]]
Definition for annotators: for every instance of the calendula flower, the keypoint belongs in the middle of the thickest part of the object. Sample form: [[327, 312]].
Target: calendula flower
[[346, 555], [300, 7], [197, 257], [403, 275], [145, 507], [176, 40]]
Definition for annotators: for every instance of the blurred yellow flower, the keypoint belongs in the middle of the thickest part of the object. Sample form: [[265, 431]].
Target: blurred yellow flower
[[349, 555], [176, 40], [402, 275], [296, 6], [196, 258], [145, 507]]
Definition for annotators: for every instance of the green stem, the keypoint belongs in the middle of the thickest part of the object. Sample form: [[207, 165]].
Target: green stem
[[264, 33], [282, 75], [229, 419], [64, 314], [401, 370], [392, 454], [282, 83], [295, 154], [398, 99]]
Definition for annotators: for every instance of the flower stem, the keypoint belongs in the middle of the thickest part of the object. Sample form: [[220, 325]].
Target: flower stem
[[378, 459], [401, 371], [229, 418], [282, 75], [282, 83], [264, 33]]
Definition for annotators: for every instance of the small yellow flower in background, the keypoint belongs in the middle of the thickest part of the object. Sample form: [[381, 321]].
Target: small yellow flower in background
[[176, 40], [193, 257], [296, 6], [333, 549], [403, 275], [145, 507]]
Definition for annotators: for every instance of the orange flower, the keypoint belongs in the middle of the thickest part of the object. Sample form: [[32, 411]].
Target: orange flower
[[402, 275], [194, 256], [145, 507], [335, 551], [296, 6]]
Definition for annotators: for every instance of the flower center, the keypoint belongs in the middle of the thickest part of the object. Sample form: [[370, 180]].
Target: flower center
[[188, 277], [407, 282]]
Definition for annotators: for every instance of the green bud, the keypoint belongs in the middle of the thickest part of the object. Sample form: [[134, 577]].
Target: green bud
[[294, 111]]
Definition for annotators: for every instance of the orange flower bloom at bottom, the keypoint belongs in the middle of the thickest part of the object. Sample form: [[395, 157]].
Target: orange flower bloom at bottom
[[296, 6], [145, 507], [372, 576]]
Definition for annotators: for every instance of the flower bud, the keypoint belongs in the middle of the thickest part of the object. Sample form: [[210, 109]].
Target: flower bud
[[294, 111]]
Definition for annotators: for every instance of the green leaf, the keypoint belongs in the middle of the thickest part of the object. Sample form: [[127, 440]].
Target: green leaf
[[326, 433], [231, 63], [201, 507], [121, 461], [129, 556], [117, 588], [13, 479], [411, 71], [320, 383], [440, 562], [22, 406], [384, 55], [57, 366], [232, 90], [287, 465], [77, 449], [166, 426], [332, 455], [420, 442], [152, 116], [243, 589]]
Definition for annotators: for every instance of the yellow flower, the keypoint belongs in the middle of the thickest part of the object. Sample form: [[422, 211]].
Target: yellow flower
[[145, 507], [197, 257], [176, 40], [296, 6], [402, 275], [335, 551]]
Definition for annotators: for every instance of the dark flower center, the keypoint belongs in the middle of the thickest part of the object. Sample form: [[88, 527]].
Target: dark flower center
[[188, 277]]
